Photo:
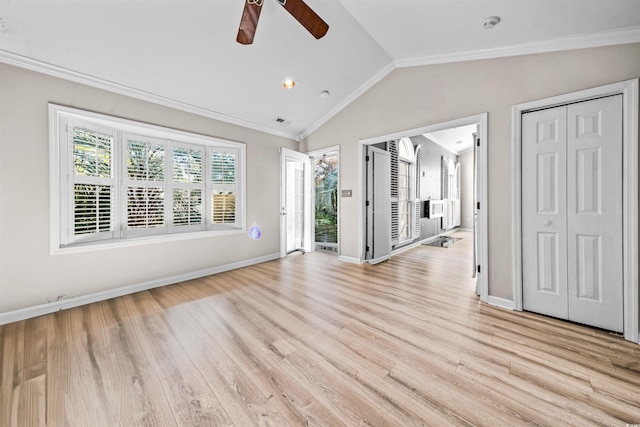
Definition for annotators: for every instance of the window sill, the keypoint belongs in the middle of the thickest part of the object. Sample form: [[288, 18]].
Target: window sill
[[140, 241]]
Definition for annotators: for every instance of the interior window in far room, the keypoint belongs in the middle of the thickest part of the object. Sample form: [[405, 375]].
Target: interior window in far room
[[405, 180]]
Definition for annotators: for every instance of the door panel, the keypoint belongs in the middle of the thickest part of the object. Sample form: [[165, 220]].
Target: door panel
[[544, 237], [379, 211], [295, 205], [588, 266], [594, 212], [548, 274]]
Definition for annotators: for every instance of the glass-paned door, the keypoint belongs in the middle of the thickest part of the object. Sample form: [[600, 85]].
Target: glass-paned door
[[326, 201]]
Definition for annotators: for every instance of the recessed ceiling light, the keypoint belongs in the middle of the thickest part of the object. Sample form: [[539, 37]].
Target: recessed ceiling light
[[288, 84], [491, 22]]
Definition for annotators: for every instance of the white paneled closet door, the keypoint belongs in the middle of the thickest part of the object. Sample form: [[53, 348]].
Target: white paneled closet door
[[572, 212], [544, 212]]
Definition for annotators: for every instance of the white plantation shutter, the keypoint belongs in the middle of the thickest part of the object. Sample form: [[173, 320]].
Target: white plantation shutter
[[416, 221], [395, 224], [187, 207], [405, 192], [91, 209], [187, 165], [445, 192]]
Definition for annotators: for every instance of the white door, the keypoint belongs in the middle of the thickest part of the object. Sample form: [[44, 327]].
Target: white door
[[544, 212], [572, 212], [378, 205], [295, 202], [594, 212]]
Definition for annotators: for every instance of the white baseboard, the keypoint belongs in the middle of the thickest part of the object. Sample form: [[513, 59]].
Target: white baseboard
[[39, 310], [500, 302], [378, 260], [350, 259], [408, 246]]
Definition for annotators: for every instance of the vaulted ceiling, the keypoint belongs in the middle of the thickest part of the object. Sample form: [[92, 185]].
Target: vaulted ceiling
[[183, 53]]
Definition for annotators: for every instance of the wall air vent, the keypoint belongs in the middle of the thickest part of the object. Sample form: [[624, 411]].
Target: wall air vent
[[283, 121]]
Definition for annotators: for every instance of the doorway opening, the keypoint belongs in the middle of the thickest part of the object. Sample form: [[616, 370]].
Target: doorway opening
[[409, 174], [309, 201]]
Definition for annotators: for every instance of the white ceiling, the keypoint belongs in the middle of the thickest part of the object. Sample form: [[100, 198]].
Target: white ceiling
[[456, 140], [183, 53]]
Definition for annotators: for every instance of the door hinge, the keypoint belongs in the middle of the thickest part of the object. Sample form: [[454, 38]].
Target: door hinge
[[478, 206], [478, 142], [367, 158], [478, 269], [368, 249], [366, 203]]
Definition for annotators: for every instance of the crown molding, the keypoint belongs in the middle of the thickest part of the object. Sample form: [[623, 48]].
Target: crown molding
[[608, 38], [20, 61], [624, 36]]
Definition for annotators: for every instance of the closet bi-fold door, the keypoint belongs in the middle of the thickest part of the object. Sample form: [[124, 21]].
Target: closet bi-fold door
[[594, 212], [544, 212], [572, 212]]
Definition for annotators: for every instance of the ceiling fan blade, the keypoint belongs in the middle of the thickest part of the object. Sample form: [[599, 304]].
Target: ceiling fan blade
[[249, 22], [307, 17]]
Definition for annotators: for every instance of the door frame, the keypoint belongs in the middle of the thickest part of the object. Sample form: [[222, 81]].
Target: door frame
[[482, 278], [308, 223], [629, 91]]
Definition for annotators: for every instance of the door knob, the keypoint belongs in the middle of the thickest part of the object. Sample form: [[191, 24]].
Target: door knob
[[547, 222]]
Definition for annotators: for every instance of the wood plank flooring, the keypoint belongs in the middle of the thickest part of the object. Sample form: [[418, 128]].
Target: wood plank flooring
[[310, 340]]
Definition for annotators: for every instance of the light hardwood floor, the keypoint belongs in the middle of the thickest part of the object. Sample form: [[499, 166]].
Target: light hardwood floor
[[310, 340]]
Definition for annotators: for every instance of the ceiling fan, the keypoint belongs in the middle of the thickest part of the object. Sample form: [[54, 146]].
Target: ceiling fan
[[297, 8]]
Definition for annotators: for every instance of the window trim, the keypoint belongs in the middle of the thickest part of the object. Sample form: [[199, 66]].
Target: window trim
[[58, 115]]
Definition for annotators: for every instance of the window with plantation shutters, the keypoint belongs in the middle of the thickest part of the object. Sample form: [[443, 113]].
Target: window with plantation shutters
[[188, 187], [223, 192], [145, 185], [92, 192], [114, 180]]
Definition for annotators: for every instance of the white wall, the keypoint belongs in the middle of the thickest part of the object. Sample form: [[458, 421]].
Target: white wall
[[29, 276], [414, 97]]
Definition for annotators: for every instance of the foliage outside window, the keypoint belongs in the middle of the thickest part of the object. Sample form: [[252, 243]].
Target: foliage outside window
[[326, 203], [116, 179]]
